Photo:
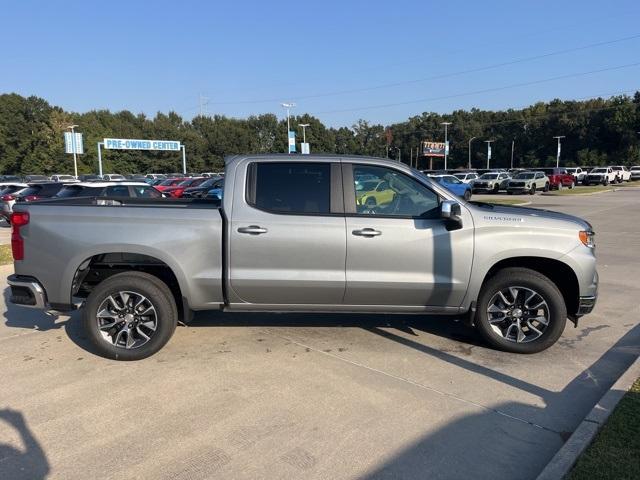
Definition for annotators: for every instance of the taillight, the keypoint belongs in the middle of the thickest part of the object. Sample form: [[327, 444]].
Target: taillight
[[30, 198], [18, 219], [177, 192], [7, 198]]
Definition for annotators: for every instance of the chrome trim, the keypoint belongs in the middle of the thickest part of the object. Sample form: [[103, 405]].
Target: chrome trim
[[36, 290], [586, 304]]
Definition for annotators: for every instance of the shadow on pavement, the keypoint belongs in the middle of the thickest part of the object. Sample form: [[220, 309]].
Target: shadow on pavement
[[29, 462], [498, 443]]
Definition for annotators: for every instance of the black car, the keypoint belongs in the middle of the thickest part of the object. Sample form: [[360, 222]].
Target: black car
[[101, 190], [36, 178], [89, 178], [201, 190]]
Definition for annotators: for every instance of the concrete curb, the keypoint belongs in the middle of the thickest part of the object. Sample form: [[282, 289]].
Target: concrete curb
[[546, 194], [564, 460]]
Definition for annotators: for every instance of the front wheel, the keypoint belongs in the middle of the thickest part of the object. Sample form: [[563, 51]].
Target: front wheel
[[546, 187], [130, 316], [533, 189], [467, 195], [521, 311]]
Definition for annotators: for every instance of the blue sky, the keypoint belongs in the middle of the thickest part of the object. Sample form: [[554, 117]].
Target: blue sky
[[247, 57]]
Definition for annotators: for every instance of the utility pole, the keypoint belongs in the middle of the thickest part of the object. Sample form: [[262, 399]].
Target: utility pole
[[513, 143], [399, 154], [288, 106], [446, 143], [558, 154], [304, 131], [75, 147], [488, 142], [470, 140], [203, 105]]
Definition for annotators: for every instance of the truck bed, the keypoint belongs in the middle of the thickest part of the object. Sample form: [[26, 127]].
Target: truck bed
[[186, 235]]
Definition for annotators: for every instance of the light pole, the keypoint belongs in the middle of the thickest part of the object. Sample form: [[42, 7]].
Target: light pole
[[73, 145], [399, 154], [513, 144], [558, 154], [488, 142], [304, 131], [288, 106], [446, 143], [470, 140]]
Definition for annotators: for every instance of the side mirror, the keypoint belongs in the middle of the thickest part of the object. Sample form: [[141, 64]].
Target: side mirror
[[450, 209], [451, 212]]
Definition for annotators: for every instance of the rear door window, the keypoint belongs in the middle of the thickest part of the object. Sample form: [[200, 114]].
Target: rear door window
[[145, 192], [117, 191], [291, 188]]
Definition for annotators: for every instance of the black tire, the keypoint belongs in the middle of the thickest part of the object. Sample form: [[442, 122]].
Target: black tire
[[533, 189], [527, 278], [605, 182], [370, 202], [571, 186], [496, 189], [155, 291], [467, 195], [546, 187], [509, 192]]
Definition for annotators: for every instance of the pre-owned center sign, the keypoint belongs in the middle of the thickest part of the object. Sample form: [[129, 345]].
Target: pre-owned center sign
[[135, 144]]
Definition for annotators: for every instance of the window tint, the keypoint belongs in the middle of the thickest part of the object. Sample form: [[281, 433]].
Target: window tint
[[404, 197], [146, 192], [117, 191], [292, 187]]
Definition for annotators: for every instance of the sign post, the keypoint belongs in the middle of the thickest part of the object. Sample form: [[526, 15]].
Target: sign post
[[138, 144], [73, 144], [292, 141]]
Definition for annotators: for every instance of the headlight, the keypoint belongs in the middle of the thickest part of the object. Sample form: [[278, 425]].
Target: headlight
[[588, 238]]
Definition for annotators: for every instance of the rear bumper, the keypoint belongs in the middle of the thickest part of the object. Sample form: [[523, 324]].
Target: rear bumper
[[27, 292]]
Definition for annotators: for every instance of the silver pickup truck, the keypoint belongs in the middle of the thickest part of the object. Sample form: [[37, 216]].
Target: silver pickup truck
[[313, 234]]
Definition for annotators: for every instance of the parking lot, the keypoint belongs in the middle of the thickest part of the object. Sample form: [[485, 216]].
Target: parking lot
[[318, 396]]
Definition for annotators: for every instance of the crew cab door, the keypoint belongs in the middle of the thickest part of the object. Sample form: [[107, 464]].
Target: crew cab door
[[401, 253], [287, 241]]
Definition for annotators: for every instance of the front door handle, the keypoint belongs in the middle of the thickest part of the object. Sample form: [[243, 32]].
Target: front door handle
[[252, 230], [367, 232]]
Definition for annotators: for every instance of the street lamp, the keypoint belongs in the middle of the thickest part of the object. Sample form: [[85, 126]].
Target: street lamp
[[304, 131], [488, 142], [558, 154], [446, 143], [288, 106], [470, 140], [73, 144], [399, 154]]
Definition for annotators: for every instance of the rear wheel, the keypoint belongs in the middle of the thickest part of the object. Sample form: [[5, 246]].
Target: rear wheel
[[533, 189], [570, 185], [546, 187], [520, 311], [130, 316], [467, 195]]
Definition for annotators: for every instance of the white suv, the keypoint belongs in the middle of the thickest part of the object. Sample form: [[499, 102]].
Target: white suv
[[600, 175], [622, 173], [467, 177], [578, 174], [635, 172]]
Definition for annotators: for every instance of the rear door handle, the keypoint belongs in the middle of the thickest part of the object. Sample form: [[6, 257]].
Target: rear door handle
[[367, 232], [252, 230]]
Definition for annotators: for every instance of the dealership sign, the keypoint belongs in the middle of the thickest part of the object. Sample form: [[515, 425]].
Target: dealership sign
[[434, 149], [133, 144]]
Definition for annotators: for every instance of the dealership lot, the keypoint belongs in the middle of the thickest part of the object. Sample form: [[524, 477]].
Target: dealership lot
[[318, 396]]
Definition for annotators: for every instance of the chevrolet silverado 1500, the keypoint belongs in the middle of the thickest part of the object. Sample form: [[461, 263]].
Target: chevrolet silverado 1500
[[291, 235]]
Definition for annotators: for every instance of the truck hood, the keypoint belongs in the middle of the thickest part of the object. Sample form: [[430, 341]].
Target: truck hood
[[507, 212]]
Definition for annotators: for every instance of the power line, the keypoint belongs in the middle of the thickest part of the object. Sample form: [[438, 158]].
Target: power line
[[437, 77], [476, 92]]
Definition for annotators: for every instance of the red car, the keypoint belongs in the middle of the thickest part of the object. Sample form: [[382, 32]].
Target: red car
[[170, 182], [177, 189], [558, 178]]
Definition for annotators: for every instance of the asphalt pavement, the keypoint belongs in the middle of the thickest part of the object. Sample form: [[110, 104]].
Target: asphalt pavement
[[268, 396]]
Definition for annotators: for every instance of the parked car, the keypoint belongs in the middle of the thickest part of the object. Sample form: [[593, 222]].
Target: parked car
[[109, 189], [600, 175], [32, 192], [169, 182], [63, 178], [10, 187], [466, 177], [113, 177], [150, 177], [635, 173], [558, 178], [200, 191], [370, 193], [216, 193], [136, 177], [490, 182], [36, 178], [528, 182], [177, 190], [291, 236], [89, 178], [11, 178], [578, 174], [454, 184], [622, 173]]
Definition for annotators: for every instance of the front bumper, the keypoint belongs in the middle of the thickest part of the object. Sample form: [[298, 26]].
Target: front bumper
[[27, 292], [586, 305]]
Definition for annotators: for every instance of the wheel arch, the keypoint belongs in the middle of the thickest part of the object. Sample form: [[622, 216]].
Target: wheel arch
[[561, 274], [97, 267]]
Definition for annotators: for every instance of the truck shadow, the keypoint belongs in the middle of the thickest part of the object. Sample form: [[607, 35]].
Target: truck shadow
[[28, 318]]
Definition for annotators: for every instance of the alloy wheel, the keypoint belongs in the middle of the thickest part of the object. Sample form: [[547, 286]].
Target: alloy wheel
[[127, 319], [518, 314]]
